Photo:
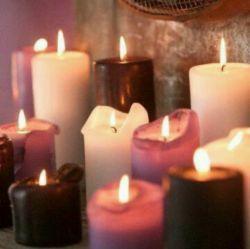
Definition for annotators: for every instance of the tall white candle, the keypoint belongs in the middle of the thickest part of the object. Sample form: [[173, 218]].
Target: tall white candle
[[220, 96], [107, 144], [60, 85], [233, 151]]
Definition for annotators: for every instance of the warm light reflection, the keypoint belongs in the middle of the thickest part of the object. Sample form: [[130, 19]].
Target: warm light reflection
[[201, 161], [43, 178], [22, 123], [123, 48], [124, 189], [165, 128], [223, 53], [40, 45], [236, 141], [60, 43]]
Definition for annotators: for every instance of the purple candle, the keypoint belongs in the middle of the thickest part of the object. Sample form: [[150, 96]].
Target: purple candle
[[34, 146], [126, 217], [21, 76], [163, 143]]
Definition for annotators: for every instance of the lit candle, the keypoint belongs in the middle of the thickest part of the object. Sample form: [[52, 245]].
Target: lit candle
[[220, 96], [34, 145], [164, 143], [21, 75], [123, 80], [126, 215], [107, 144], [204, 206], [233, 152], [6, 179], [61, 95], [46, 212]]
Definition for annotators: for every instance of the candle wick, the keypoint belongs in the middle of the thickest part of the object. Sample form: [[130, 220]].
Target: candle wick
[[114, 129], [223, 68], [165, 139]]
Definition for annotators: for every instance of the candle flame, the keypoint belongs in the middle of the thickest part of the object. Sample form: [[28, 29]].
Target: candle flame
[[202, 161], [236, 141], [123, 48], [165, 128], [223, 53], [43, 178], [22, 123], [124, 189], [60, 43], [40, 45], [112, 120]]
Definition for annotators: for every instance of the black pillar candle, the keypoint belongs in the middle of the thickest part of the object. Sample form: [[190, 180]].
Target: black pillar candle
[[6, 179], [120, 83], [47, 215], [204, 211]]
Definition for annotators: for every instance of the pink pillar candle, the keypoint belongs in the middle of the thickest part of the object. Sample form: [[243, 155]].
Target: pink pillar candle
[[132, 225], [34, 147], [153, 152], [22, 78]]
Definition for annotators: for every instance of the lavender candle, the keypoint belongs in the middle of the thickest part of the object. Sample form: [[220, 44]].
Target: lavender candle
[[130, 217], [163, 143], [34, 146]]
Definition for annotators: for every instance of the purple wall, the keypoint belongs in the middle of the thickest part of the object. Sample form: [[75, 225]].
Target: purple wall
[[21, 23]]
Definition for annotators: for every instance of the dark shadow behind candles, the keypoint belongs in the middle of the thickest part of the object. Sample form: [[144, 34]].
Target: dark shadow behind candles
[[121, 83]]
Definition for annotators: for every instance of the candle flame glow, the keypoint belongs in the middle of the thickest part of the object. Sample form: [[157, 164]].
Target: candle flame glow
[[40, 45], [236, 141], [22, 123], [202, 161], [60, 43], [165, 128], [124, 189], [223, 52], [112, 121], [123, 48], [43, 178]]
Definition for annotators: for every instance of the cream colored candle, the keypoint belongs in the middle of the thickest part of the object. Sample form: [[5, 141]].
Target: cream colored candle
[[61, 88], [233, 151], [220, 94], [107, 144]]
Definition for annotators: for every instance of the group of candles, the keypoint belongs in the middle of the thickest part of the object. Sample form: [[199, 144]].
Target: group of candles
[[179, 206]]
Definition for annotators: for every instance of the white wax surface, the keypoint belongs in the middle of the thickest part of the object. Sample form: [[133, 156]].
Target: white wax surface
[[108, 154], [61, 95], [221, 99], [238, 158]]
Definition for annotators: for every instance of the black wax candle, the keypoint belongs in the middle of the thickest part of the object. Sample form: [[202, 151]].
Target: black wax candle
[[204, 211], [47, 215], [6, 179], [120, 83]]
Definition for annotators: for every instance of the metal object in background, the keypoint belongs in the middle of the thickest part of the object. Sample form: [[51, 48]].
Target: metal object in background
[[171, 9]]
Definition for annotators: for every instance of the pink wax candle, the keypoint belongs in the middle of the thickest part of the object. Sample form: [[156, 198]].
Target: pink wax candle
[[22, 78], [164, 143], [34, 146], [126, 217]]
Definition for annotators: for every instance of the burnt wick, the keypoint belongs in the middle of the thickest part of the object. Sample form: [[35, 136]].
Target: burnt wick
[[114, 129], [223, 68]]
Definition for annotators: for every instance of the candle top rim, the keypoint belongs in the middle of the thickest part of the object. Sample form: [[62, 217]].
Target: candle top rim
[[68, 54], [32, 125], [215, 68], [141, 139], [216, 174], [128, 60]]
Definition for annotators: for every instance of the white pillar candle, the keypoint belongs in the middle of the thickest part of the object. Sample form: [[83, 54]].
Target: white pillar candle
[[220, 94], [60, 85], [233, 151], [107, 144]]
